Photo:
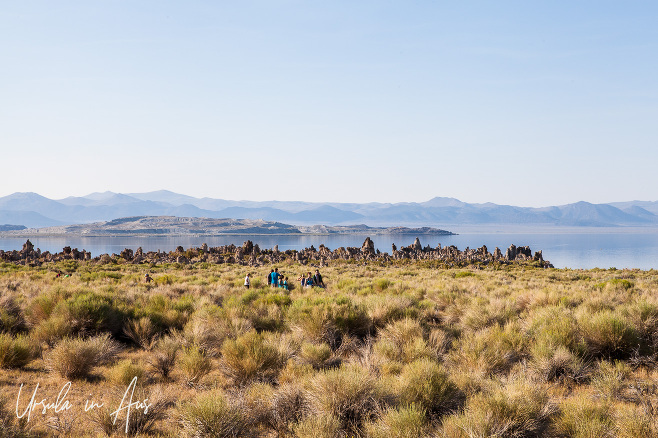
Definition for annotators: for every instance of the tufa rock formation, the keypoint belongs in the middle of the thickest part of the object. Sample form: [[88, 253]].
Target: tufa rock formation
[[251, 255]]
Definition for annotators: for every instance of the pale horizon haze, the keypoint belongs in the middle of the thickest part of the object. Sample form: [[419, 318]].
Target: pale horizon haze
[[520, 103]]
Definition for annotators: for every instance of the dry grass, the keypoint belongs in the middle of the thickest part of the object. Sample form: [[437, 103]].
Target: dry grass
[[74, 358], [406, 350]]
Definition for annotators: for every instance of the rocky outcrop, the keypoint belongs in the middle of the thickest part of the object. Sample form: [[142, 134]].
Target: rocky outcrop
[[251, 255]]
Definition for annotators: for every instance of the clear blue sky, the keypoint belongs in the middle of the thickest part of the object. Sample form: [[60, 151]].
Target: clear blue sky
[[514, 102]]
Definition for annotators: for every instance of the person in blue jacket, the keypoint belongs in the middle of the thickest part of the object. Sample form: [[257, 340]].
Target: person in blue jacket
[[275, 277]]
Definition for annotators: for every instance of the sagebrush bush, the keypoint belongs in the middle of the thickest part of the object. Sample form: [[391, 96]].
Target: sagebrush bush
[[16, 351], [74, 358]]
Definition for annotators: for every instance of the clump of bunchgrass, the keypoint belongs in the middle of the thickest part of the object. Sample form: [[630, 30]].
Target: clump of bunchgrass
[[142, 332], [583, 417], [609, 378], [209, 327], [139, 420], [11, 315], [125, 371], [194, 364], [489, 351], [404, 422], [212, 415], [402, 341], [16, 351], [348, 394], [163, 356], [551, 363], [608, 334], [316, 355], [250, 358], [518, 410], [323, 426], [426, 384], [74, 358]]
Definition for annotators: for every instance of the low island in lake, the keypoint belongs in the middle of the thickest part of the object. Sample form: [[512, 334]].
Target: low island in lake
[[176, 226]]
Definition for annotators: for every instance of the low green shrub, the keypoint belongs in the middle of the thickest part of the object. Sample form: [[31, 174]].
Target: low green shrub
[[92, 313]]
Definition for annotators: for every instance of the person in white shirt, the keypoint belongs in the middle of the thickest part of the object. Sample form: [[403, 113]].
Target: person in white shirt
[[247, 281]]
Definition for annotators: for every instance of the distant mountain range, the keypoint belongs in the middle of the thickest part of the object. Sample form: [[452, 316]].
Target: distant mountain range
[[35, 211]]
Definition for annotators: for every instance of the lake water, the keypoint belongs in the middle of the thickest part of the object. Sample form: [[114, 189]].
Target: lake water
[[573, 249]]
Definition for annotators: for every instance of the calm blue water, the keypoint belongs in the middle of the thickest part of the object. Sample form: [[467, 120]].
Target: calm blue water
[[565, 250]]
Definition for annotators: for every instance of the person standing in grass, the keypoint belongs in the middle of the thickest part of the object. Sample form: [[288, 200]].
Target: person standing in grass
[[269, 277], [247, 281], [302, 280], [317, 279], [274, 282], [285, 284], [309, 281]]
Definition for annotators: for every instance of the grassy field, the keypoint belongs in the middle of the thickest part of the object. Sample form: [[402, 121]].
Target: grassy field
[[398, 351]]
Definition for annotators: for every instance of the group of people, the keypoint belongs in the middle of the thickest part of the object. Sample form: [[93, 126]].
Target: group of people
[[275, 279], [315, 280]]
